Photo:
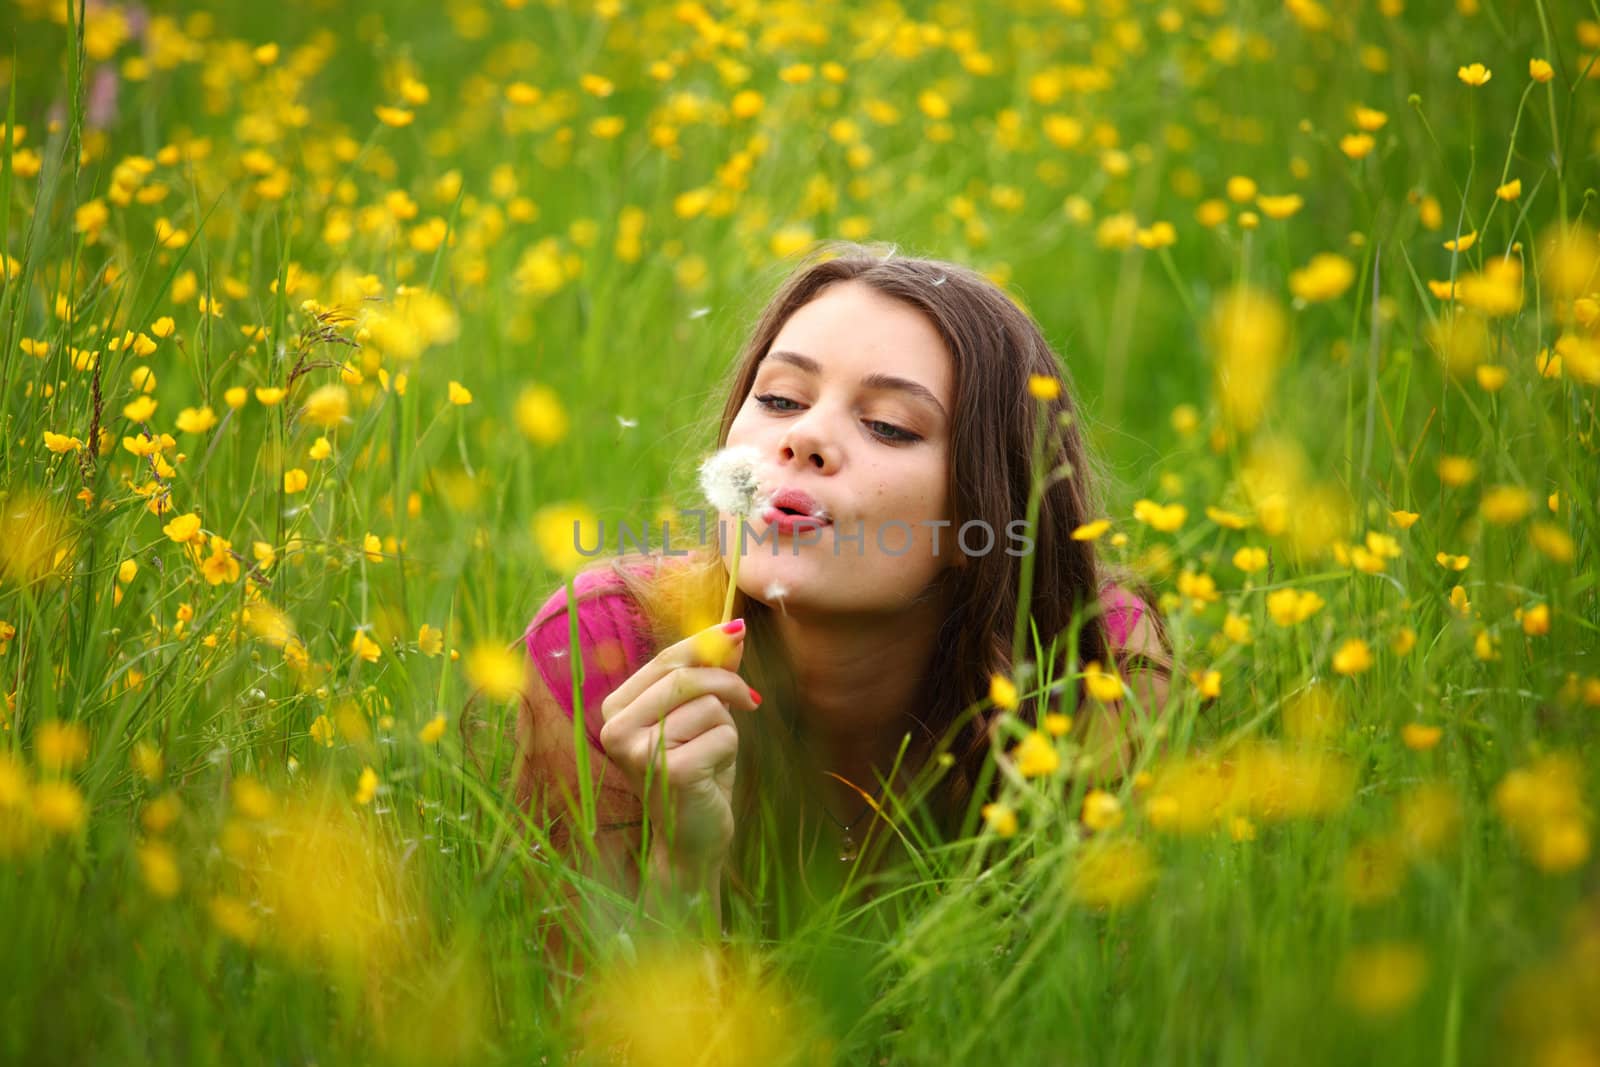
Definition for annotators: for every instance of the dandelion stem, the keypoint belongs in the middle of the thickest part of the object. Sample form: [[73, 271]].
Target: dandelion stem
[[733, 581]]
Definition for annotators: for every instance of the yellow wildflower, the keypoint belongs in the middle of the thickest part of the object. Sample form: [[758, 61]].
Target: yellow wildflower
[[1101, 810], [1001, 818], [1003, 692], [432, 730], [1035, 755]]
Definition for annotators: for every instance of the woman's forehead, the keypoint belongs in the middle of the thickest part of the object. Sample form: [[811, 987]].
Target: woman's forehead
[[852, 331]]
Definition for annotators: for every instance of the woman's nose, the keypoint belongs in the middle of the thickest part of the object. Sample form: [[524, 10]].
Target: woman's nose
[[805, 443]]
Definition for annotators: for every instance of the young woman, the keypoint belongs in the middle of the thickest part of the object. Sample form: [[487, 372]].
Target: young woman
[[847, 704]]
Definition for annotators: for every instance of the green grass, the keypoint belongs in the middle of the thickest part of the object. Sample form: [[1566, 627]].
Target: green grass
[[1319, 917]]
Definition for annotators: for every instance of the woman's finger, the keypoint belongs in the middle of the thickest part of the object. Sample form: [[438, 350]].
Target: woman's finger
[[713, 646], [679, 686]]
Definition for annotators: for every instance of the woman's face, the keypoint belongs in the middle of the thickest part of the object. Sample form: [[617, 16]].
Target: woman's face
[[851, 407]]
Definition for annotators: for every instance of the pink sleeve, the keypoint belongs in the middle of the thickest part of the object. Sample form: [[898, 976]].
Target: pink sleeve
[[613, 640], [1123, 611]]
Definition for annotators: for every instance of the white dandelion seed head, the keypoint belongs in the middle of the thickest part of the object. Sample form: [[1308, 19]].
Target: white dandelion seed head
[[775, 591], [731, 480]]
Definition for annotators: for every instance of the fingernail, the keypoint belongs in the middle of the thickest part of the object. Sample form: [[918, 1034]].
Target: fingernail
[[735, 626], [754, 696]]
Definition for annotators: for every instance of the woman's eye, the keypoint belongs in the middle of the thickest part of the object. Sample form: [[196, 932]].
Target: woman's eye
[[772, 400], [888, 431], [883, 431]]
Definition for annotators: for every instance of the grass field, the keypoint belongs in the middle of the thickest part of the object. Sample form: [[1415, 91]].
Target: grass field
[[322, 322]]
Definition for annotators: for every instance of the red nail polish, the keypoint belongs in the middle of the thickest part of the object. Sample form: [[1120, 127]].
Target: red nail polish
[[754, 695], [735, 626]]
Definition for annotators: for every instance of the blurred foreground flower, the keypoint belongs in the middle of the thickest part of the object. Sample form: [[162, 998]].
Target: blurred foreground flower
[[35, 538], [1110, 872], [1543, 806], [1381, 980], [685, 1004], [1258, 780], [319, 883]]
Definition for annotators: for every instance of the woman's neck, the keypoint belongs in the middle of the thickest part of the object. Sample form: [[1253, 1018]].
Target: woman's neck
[[857, 679]]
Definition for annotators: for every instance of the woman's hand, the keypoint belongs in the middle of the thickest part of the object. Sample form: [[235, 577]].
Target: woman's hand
[[669, 728]]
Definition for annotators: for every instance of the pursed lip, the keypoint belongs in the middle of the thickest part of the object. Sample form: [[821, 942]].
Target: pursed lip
[[785, 502]]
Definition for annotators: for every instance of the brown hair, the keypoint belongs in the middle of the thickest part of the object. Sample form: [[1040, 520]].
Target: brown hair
[[996, 348]]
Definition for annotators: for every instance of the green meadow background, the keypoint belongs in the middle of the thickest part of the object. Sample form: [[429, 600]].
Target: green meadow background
[[322, 322]]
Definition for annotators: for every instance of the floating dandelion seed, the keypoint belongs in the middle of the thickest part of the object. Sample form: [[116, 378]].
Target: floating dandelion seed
[[776, 592], [730, 482]]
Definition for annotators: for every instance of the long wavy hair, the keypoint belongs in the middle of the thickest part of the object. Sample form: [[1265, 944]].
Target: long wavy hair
[[996, 348]]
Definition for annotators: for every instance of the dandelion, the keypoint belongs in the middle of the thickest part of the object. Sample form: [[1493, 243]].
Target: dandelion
[[731, 481]]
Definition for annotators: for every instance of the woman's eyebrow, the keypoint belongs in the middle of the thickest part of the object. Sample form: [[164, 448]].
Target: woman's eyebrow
[[871, 381]]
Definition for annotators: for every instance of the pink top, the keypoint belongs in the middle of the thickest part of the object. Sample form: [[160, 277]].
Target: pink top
[[614, 638]]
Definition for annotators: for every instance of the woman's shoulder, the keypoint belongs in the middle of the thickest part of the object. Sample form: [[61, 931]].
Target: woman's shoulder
[[614, 639]]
